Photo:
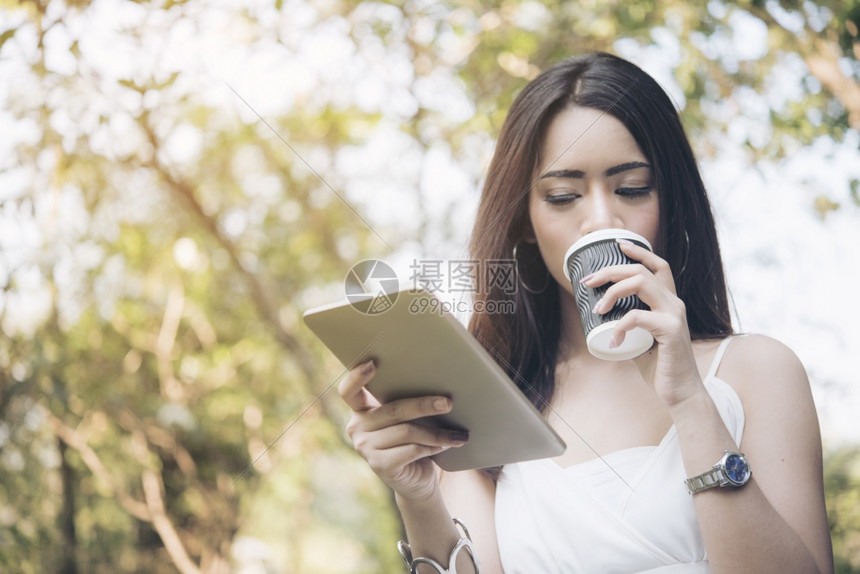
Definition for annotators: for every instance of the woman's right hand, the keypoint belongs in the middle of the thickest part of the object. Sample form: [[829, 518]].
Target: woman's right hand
[[395, 447]]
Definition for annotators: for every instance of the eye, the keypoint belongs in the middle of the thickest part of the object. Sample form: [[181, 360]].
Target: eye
[[561, 198], [633, 191]]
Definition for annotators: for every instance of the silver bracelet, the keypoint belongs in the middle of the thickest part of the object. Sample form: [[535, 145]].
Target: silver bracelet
[[464, 542]]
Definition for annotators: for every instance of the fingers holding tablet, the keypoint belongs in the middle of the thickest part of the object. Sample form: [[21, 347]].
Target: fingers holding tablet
[[402, 410], [371, 415], [431, 356], [386, 435], [352, 391]]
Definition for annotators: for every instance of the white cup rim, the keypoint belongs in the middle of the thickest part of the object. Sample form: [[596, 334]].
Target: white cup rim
[[601, 235]]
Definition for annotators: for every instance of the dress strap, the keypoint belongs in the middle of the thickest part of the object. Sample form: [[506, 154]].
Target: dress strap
[[718, 357]]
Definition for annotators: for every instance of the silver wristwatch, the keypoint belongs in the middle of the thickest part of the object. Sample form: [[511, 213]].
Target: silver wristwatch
[[732, 469]]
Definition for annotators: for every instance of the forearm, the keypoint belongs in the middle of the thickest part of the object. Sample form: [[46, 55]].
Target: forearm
[[741, 529], [431, 532]]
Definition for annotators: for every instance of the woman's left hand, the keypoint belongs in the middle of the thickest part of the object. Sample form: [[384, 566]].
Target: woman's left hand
[[670, 367]]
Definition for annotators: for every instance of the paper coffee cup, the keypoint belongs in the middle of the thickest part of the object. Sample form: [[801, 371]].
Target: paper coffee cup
[[591, 253]]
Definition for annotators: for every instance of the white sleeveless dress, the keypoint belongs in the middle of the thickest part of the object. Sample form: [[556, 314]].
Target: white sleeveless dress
[[584, 519]]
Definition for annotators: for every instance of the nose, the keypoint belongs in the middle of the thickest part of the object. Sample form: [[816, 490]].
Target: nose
[[601, 213]]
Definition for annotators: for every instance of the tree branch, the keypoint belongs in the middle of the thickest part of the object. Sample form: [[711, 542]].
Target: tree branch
[[170, 387], [153, 486], [822, 58], [185, 193], [72, 438], [823, 63], [152, 510], [214, 545], [159, 437]]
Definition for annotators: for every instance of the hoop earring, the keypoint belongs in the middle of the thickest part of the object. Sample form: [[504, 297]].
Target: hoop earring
[[686, 253], [519, 275]]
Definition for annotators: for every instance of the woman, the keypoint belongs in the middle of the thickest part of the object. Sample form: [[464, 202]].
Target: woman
[[594, 143]]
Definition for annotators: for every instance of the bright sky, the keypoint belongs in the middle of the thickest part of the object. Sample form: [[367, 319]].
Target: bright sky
[[792, 275]]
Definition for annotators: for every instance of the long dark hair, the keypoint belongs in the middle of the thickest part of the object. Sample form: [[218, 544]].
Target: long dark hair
[[525, 343]]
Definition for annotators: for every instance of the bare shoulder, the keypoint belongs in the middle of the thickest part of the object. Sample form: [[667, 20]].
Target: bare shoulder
[[757, 351], [757, 365], [777, 400]]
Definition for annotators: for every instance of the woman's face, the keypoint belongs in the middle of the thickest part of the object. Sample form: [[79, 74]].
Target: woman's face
[[592, 175]]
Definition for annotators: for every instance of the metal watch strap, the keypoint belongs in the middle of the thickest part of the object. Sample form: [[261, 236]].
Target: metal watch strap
[[706, 480], [731, 470]]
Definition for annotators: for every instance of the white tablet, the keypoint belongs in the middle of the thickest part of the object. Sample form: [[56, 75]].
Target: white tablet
[[420, 350]]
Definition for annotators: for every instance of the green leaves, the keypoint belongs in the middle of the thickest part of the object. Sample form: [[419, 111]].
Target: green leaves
[[172, 238]]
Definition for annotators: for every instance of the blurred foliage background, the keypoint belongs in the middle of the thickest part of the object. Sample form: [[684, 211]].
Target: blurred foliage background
[[181, 179]]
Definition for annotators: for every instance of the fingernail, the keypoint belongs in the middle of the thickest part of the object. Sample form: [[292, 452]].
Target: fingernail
[[624, 241], [597, 306], [587, 278], [459, 438], [613, 341], [368, 367], [441, 405]]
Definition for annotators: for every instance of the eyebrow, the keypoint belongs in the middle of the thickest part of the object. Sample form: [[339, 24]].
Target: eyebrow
[[578, 174]]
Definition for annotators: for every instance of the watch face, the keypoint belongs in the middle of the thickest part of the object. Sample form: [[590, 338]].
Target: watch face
[[737, 469]]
